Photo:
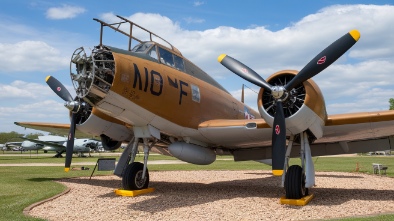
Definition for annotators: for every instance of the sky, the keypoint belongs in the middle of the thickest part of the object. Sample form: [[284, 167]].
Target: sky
[[38, 37]]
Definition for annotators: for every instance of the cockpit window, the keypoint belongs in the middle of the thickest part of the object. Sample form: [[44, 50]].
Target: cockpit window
[[142, 47], [166, 57], [152, 52], [179, 63], [170, 59]]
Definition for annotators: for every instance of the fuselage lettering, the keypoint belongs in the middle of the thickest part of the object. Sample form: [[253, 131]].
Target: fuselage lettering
[[156, 81], [137, 77], [182, 92], [173, 83]]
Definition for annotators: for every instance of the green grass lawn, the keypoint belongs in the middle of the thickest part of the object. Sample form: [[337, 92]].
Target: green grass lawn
[[23, 186]]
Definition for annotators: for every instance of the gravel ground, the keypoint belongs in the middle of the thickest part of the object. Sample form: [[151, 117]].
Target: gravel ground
[[219, 195]]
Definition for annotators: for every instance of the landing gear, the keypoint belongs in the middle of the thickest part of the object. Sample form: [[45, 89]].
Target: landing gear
[[59, 154], [133, 179], [297, 179], [135, 176], [295, 183]]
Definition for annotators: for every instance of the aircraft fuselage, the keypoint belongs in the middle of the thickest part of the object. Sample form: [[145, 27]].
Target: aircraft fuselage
[[145, 91]]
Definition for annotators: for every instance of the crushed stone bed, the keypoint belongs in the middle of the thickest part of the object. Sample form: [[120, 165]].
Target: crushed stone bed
[[219, 195]]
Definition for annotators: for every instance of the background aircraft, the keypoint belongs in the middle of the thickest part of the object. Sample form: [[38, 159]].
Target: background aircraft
[[29, 145], [15, 146], [151, 94], [58, 144]]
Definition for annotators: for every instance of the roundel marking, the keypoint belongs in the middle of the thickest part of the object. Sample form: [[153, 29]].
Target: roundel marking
[[321, 60], [277, 129]]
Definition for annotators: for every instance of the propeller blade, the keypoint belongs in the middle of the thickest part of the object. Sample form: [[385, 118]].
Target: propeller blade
[[278, 140], [243, 71], [58, 88], [70, 143], [325, 58]]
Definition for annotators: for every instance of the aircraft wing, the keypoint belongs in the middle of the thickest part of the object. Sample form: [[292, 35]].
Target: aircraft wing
[[343, 133], [46, 143], [234, 134], [13, 144], [53, 128]]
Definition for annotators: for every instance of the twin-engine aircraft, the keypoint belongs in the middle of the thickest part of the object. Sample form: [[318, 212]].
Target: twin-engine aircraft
[[150, 94], [59, 144]]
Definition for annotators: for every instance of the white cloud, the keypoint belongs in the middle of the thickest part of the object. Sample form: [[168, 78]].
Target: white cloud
[[28, 111], [21, 89], [359, 81], [190, 20], [198, 3], [64, 12], [31, 56], [33, 102], [365, 68]]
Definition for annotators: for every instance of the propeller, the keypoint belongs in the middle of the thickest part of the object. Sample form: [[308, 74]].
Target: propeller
[[72, 105], [280, 93]]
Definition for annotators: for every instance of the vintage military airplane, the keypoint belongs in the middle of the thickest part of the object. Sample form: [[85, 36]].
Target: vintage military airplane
[[151, 94], [58, 144]]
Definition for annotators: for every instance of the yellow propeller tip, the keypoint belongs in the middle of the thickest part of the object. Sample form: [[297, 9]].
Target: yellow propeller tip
[[66, 169], [277, 172], [46, 79], [220, 58], [355, 34]]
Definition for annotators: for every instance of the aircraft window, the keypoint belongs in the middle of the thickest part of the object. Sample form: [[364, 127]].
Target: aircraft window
[[195, 93], [166, 57], [153, 52], [179, 63], [142, 47]]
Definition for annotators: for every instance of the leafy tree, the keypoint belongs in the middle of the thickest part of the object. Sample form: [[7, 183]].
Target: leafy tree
[[10, 137], [34, 136], [16, 137], [391, 101]]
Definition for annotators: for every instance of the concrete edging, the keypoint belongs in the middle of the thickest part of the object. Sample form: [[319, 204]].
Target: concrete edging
[[26, 211]]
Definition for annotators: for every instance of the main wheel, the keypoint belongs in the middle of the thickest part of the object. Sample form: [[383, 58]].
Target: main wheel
[[295, 183], [132, 177]]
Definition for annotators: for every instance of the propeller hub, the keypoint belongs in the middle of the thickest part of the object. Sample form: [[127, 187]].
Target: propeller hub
[[73, 106], [279, 92]]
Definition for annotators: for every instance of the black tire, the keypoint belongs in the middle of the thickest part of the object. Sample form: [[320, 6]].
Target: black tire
[[295, 183], [132, 177]]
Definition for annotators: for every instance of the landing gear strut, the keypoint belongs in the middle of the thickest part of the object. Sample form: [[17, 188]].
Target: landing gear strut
[[297, 179], [59, 154], [136, 174]]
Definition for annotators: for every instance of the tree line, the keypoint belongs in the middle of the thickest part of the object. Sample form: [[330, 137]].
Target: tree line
[[16, 137]]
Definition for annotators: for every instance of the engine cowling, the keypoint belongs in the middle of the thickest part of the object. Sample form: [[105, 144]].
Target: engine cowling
[[192, 153], [96, 123], [108, 143], [304, 109]]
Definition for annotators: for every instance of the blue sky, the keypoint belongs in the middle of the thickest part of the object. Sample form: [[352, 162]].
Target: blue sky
[[38, 38]]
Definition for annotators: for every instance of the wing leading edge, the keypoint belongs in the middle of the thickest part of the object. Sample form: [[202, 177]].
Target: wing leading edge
[[53, 128], [343, 133]]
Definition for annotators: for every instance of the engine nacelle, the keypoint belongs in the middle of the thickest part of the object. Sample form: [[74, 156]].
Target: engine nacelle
[[97, 123], [192, 153], [304, 109], [108, 143]]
